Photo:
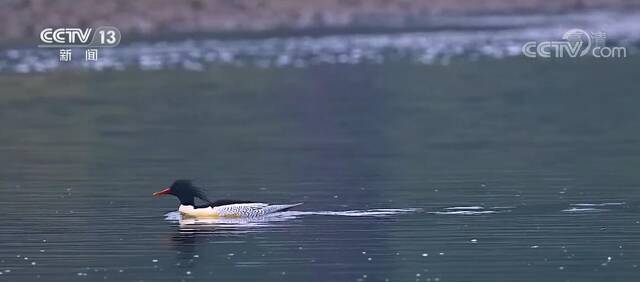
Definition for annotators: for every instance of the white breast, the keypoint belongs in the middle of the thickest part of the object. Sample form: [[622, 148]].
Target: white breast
[[193, 212]]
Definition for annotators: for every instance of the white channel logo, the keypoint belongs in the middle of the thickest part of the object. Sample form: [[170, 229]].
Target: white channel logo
[[575, 43], [69, 37]]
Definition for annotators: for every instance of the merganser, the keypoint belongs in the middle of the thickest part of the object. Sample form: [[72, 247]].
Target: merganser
[[186, 193]]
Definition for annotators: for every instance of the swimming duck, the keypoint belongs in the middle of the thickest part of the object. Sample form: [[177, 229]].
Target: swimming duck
[[186, 193]]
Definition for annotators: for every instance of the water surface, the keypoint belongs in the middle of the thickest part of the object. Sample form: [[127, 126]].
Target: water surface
[[519, 170]]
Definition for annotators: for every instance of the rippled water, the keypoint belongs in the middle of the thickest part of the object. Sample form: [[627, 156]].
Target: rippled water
[[495, 170]]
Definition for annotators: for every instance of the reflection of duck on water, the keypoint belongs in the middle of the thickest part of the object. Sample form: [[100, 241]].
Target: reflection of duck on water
[[186, 193], [194, 231]]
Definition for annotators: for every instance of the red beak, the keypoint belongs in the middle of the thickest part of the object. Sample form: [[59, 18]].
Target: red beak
[[166, 191]]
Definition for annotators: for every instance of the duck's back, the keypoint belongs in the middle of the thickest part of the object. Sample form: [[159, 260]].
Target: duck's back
[[251, 209]]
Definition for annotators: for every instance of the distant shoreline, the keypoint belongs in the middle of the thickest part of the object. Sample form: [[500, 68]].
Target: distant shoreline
[[22, 20], [447, 38]]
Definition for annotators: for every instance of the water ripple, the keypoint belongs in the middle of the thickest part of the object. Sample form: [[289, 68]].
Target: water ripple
[[471, 210], [599, 204], [584, 210]]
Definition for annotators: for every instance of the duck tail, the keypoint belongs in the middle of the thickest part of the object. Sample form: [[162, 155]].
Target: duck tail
[[290, 206]]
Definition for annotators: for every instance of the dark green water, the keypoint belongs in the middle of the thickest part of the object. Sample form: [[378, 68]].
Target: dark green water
[[550, 149]]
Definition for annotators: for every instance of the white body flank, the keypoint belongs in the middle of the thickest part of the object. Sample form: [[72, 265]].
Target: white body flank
[[234, 210]]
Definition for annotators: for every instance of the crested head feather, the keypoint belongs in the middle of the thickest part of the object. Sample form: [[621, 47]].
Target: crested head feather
[[198, 193], [186, 186]]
